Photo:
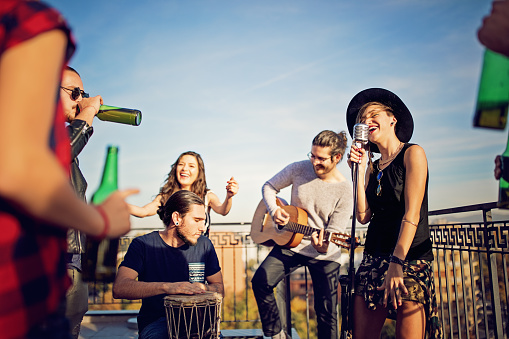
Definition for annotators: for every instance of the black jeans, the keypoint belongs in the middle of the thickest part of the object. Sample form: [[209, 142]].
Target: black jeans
[[55, 326], [77, 302], [324, 275]]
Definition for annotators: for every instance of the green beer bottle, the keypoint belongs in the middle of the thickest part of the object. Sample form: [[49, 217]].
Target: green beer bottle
[[503, 185], [100, 262], [493, 95], [118, 114]]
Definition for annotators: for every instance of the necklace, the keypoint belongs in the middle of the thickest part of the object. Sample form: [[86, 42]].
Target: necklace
[[383, 163]]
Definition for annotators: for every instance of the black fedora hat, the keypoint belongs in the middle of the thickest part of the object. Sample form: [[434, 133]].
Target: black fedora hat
[[405, 124]]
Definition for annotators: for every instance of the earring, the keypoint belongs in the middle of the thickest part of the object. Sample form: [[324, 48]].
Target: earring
[[176, 224]]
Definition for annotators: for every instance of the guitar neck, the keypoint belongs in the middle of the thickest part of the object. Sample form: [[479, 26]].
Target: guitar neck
[[304, 229]]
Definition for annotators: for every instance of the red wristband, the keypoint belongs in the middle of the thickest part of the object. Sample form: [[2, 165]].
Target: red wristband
[[106, 223]]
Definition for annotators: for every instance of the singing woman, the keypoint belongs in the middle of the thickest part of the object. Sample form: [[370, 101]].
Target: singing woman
[[395, 277]]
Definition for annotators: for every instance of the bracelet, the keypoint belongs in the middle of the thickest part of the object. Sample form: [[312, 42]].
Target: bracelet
[[106, 223], [96, 111], [396, 260], [408, 221], [367, 209]]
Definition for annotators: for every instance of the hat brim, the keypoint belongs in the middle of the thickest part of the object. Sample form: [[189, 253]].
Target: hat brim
[[405, 124]]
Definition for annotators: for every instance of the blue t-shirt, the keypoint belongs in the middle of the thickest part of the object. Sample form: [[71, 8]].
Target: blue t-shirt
[[156, 261]]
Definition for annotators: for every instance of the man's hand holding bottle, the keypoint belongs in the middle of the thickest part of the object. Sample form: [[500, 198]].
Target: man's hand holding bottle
[[88, 108]]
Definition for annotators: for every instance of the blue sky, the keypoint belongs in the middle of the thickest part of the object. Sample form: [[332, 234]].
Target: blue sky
[[249, 83]]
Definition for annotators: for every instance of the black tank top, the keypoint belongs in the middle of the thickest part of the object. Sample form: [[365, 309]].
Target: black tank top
[[388, 210]]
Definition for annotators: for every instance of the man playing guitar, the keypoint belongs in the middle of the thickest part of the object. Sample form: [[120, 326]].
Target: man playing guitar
[[326, 195]]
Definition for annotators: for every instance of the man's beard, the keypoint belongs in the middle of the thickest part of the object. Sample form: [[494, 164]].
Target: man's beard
[[190, 242], [322, 169], [319, 167]]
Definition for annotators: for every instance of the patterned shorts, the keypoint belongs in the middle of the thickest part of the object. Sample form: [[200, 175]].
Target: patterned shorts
[[415, 291], [418, 279]]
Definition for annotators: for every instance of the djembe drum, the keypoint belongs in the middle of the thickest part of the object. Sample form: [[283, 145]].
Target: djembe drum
[[193, 316]]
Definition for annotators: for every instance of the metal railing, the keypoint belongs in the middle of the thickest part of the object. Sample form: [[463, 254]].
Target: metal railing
[[471, 275]]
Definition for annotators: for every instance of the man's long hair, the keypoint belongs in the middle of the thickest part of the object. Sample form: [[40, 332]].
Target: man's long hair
[[180, 202], [336, 141]]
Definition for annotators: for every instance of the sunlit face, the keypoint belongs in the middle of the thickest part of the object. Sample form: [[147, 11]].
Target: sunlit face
[[187, 170], [70, 80], [322, 161], [379, 122], [192, 225]]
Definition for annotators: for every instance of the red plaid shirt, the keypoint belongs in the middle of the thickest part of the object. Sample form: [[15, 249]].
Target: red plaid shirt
[[33, 278]]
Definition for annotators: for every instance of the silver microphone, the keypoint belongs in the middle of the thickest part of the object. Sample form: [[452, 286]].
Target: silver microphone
[[360, 135]]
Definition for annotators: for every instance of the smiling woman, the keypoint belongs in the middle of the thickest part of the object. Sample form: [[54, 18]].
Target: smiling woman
[[395, 277], [188, 173]]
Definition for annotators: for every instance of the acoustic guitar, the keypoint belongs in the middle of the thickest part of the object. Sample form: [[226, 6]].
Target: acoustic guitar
[[265, 231]]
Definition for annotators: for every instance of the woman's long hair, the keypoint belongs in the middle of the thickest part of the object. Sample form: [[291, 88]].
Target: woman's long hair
[[171, 184]]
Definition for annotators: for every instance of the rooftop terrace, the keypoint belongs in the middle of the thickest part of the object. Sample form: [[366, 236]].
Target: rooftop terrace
[[471, 277]]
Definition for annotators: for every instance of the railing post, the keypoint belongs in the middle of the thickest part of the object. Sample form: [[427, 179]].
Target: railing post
[[307, 300], [493, 273], [288, 306]]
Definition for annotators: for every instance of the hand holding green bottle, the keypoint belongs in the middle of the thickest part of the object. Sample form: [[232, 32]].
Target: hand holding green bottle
[[494, 31], [117, 212], [100, 258]]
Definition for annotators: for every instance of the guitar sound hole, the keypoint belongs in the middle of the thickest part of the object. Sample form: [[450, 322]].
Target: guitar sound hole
[[280, 227]]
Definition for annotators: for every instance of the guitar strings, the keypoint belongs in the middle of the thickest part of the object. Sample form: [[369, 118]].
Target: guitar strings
[[308, 230]]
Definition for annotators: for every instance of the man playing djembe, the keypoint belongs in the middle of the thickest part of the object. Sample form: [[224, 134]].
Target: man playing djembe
[[178, 260]]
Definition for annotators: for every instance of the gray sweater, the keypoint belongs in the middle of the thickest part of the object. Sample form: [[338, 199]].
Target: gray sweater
[[328, 205]]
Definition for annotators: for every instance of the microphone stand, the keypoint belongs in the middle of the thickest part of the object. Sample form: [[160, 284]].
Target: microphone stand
[[348, 295]]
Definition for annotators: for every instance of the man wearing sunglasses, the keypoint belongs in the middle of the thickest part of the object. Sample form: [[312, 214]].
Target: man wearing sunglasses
[[79, 110]]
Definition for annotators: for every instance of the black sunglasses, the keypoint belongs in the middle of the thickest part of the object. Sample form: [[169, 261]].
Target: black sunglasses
[[75, 92]]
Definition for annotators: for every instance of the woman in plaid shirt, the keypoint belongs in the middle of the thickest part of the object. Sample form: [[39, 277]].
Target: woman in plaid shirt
[[37, 203]]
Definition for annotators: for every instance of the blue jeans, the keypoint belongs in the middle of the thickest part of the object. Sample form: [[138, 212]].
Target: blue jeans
[[324, 274], [155, 330]]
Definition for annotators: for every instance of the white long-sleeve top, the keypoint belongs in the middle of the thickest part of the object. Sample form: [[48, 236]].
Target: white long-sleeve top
[[328, 205]]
